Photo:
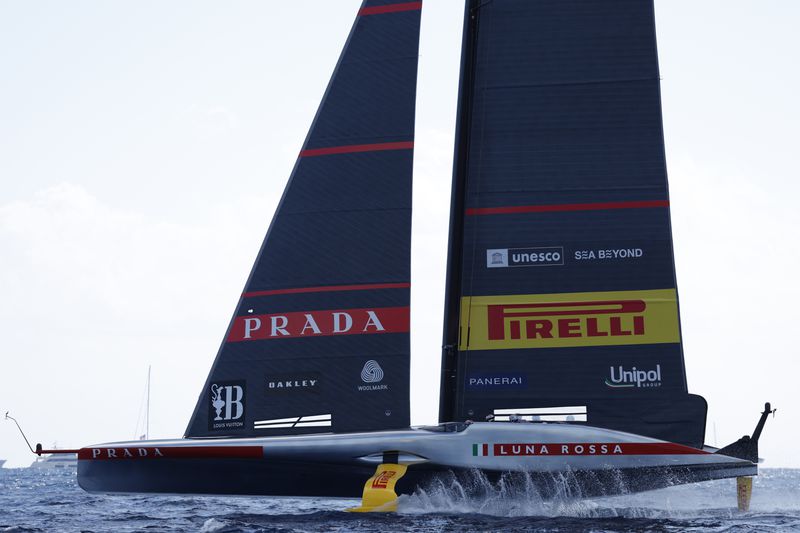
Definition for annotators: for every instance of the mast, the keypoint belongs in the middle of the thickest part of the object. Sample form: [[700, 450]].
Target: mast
[[455, 245]]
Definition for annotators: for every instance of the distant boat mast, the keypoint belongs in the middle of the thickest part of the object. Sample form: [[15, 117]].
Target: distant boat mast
[[147, 408], [145, 423]]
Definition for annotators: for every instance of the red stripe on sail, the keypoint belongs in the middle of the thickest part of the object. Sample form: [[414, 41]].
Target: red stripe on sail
[[357, 148], [329, 288], [170, 452], [507, 210], [390, 8]]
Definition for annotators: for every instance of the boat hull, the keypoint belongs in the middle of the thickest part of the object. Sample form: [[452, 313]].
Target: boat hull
[[556, 459]]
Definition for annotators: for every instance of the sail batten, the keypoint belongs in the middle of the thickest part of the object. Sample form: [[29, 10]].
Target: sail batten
[[329, 288], [549, 208]]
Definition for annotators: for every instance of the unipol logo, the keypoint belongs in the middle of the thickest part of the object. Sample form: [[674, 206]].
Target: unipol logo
[[227, 405], [562, 320], [372, 374], [305, 324], [620, 378]]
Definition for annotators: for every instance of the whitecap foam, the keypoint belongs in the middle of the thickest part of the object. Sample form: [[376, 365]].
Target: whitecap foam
[[212, 525]]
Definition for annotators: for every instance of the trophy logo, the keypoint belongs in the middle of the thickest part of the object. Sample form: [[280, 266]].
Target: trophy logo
[[227, 405]]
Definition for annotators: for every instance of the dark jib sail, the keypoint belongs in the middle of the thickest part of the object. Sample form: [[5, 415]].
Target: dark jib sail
[[561, 288], [319, 341]]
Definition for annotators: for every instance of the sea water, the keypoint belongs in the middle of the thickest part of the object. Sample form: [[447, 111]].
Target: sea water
[[33, 500]]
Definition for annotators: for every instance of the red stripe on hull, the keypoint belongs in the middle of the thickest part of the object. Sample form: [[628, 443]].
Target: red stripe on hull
[[390, 8], [170, 452], [329, 288], [508, 210], [357, 148], [58, 450]]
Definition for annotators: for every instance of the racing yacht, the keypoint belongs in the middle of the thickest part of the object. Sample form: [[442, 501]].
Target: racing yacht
[[562, 349]]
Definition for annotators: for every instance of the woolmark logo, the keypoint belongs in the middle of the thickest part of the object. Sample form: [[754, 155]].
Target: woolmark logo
[[621, 378], [226, 405], [372, 373], [524, 257]]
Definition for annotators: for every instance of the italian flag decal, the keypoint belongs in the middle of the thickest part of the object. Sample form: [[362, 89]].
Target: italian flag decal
[[480, 450]]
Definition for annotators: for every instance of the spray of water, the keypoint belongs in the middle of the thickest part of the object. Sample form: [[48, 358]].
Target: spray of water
[[512, 494], [564, 494]]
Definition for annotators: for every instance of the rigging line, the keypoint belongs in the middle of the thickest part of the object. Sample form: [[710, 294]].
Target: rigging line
[[485, 2], [20, 431]]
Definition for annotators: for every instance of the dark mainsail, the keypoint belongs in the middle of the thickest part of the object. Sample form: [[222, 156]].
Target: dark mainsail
[[319, 340], [561, 281]]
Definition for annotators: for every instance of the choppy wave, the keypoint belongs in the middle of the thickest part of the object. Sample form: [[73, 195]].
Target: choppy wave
[[40, 501]]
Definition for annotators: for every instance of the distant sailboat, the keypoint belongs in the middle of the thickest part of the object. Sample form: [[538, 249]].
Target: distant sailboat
[[143, 421], [56, 458], [561, 320]]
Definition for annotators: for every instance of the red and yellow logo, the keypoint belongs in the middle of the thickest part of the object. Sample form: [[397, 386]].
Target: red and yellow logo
[[381, 480], [569, 319]]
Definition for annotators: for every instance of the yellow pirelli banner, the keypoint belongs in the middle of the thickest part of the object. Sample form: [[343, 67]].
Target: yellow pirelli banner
[[569, 319]]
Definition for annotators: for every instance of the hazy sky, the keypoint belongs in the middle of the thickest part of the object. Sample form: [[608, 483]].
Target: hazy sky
[[144, 145]]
